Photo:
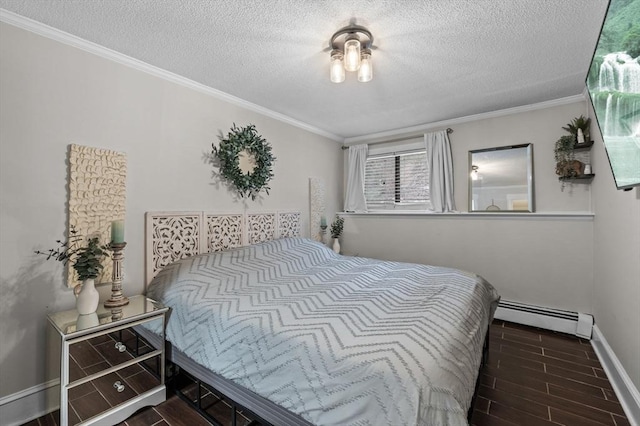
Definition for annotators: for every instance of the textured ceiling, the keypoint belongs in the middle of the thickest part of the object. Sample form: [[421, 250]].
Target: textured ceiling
[[434, 60]]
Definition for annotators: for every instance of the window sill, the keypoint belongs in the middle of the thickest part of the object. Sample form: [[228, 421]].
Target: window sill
[[484, 215]]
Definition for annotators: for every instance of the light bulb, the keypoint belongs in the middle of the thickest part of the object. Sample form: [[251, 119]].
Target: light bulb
[[365, 73], [337, 70], [352, 54]]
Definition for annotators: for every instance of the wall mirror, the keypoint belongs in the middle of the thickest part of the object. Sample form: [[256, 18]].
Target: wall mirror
[[501, 179]]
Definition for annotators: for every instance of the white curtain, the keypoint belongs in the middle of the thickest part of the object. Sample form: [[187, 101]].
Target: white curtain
[[440, 171], [354, 200]]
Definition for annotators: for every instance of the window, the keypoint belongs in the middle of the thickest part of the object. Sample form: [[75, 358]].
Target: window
[[397, 180]]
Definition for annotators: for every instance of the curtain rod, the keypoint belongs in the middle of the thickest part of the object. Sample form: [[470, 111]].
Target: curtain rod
[[449, 130]]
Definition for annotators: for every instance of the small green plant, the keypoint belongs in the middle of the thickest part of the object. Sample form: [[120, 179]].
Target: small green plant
[[581, 123], [564, 149], [336, 227], [566, 164], [88, 263], [86, 260]]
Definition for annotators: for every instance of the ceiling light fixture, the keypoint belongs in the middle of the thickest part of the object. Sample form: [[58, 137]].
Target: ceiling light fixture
[[351, 51], [474, 172]]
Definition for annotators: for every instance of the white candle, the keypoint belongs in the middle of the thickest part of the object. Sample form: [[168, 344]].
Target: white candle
[[117, 231]]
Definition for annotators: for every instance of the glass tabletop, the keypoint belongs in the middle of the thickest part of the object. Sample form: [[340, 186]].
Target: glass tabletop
[[70, 323]]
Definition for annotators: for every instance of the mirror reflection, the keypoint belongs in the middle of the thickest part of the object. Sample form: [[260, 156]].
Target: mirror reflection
[[501, 179]]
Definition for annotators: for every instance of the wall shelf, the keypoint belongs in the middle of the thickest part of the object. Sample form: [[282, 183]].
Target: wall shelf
[[583, 178], [583, 146], [578, 179]]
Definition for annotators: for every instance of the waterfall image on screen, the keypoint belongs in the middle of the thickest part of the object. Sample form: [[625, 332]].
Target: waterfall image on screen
[[613, 83]]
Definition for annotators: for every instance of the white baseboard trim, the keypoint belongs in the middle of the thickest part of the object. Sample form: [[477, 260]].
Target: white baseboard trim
[[547, 318], [623, 386], [29, 404]]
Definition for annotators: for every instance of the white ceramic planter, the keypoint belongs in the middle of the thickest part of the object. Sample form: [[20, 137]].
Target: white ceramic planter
[[87, 297]]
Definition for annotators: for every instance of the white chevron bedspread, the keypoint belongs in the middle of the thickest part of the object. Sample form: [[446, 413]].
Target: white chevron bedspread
[[338, 340]]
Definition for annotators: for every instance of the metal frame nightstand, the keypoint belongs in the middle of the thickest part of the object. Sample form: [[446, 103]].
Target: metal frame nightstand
[[108, 346]]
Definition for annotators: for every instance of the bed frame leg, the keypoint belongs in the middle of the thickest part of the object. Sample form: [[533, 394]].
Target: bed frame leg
[[485, 348], [195, 402], [235, 414]]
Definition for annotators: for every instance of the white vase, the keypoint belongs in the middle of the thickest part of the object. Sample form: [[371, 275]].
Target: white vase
[[87, 297], [336, 245]]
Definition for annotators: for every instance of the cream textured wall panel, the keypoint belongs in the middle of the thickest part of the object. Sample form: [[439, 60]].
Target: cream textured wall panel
[[97, 196], [317, 194]]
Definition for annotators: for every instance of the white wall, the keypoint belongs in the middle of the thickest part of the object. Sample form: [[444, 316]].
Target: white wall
[[541, 260], [573, 263], [616, 262], [541, 127], [54, 95]]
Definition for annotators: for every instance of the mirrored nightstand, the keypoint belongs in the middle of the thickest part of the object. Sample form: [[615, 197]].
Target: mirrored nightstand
[[112, 361]]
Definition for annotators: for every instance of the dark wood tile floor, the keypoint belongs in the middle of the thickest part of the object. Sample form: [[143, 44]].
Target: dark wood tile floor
[[532, 377], [537, 377]]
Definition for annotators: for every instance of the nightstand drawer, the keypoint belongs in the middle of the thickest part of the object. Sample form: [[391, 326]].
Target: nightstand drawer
[[108, 391], [109, 350], [134, 343]]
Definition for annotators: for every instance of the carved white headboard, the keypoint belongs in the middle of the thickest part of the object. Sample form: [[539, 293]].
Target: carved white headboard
[[171, 236]]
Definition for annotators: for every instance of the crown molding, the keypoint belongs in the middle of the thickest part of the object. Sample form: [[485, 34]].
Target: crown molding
[[419, 129], [98, 50]]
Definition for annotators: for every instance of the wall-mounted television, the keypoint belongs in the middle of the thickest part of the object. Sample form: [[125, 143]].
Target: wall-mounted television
[[613, 83]]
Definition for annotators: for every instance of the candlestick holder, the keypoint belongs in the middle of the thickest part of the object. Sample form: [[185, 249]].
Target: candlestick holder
[[117, 299], [323, 232]]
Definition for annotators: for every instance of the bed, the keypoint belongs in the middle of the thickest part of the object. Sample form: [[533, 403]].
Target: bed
[[301, 335]]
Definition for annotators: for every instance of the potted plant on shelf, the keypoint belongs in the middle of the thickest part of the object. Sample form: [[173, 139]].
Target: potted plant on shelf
[[336, 230], [566, 165], [87, 262], [579, 128]]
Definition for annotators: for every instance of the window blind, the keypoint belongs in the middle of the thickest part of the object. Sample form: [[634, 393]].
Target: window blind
[[397, 179]]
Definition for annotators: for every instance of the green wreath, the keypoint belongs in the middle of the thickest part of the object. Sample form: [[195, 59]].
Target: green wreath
[[237, 142]]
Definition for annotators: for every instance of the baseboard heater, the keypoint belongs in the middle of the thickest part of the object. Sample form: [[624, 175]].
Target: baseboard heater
[[568, 322]]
